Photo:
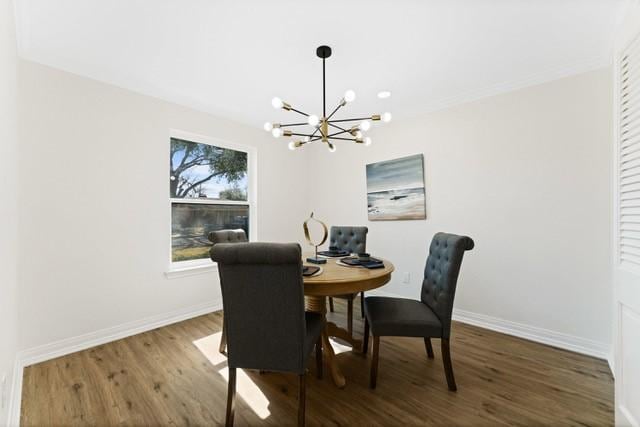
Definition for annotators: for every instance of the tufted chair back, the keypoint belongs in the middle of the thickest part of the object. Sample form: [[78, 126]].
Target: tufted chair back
[[263, 299], [228, 236], [352, 239], [441, 275]]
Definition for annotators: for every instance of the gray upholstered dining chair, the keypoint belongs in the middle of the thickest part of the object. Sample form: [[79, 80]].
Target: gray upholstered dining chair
[[263, 302], [226, 236], [354, 240], [428, 318]]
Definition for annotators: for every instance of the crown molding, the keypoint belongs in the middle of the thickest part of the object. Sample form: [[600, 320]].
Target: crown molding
[[546, 75], [549, 75]]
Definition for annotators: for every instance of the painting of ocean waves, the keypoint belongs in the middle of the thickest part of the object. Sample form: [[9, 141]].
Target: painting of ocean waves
[[395, 189]]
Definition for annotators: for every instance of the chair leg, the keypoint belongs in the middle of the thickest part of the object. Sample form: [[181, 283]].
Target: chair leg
[[374, 362], [223, 340], [331, 304], [362, 304], [231, 397], [427, 345], [350, 316], [448, 368], [319, 358], [301, 401], [365, 338]]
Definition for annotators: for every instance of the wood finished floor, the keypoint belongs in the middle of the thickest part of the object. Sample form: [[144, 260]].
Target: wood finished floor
[[174, 376]]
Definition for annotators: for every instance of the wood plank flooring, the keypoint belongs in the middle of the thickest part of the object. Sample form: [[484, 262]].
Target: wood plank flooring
[[175, 376]]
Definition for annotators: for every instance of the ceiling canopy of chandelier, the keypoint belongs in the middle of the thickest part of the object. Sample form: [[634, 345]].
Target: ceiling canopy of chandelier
[[325, 128]]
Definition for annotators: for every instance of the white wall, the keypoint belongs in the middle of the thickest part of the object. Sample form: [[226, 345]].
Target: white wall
[[527, 175], [8, 200], [94, 233]]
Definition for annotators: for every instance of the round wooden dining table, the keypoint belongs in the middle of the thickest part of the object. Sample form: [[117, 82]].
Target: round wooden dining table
[[336, 280]]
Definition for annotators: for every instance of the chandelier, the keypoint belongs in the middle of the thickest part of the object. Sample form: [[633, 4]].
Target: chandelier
[[325, 128]]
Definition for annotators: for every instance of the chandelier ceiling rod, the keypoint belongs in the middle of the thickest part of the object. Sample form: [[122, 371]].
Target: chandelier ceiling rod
[[322, 124]]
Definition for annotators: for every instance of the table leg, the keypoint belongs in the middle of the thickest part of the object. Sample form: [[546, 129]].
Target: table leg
[[318, 305]]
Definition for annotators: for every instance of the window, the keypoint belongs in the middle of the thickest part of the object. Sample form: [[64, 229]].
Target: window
[[209, 189]]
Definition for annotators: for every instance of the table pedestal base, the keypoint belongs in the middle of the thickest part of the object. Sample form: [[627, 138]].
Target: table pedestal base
[[319, 305]]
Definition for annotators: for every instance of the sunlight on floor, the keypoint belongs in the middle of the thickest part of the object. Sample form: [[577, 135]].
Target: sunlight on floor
[[245, 387], [249, 392], [339, 348], [209, 347]]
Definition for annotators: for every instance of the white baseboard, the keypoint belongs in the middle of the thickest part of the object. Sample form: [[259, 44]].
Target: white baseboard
[[15, 395], [532, 333], [611, 362], [82, 342]]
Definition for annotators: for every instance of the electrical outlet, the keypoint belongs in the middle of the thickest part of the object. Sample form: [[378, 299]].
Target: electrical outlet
[[3, 391], [406, 278]]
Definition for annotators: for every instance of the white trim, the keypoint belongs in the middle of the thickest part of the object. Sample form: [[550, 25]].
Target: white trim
[[82, 342], [203, 201], [520, 330], [549, 75], [534, 333], [460, 98], [15, 397], [188, 268], [611, 362]]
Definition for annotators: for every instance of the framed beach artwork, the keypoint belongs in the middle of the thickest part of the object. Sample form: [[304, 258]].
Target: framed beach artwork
[[395, 189]]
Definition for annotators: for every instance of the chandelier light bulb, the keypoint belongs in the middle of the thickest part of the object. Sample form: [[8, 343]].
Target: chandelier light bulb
[[358, 135], [349, 96], [332, 148], [367, 141], [365, 125], [313, 120], [386, 117], [268, 126], [292, 146], [277, 103], [276, 132]]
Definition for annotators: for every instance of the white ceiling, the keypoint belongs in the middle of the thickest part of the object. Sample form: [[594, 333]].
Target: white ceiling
[[231, 57]]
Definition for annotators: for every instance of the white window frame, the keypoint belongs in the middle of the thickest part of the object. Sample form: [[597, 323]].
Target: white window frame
[[190, 267]]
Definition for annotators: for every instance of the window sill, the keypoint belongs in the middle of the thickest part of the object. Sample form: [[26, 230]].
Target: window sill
[[185, 270]]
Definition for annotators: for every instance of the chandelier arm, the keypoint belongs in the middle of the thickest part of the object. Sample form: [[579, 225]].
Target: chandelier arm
[[299, 112], [294, 124], [337, 133], [350, 120], [300, 134], [342, 139], [337, 127], [311, 140], [314, 132], [334, 111]]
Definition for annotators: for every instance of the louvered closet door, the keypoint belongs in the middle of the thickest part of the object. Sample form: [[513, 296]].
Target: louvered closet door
[[627, 236], [629, 156]]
